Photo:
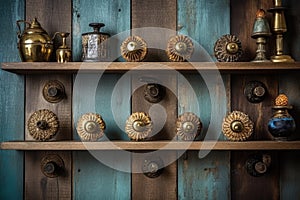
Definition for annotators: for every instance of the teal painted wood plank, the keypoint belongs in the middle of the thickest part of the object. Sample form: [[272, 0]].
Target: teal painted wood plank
[[204, 21], [97, 93], [114, 14], [207, 177], [11, 103]]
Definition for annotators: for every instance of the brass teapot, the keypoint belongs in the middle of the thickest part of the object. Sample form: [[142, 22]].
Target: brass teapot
[[35, 45]]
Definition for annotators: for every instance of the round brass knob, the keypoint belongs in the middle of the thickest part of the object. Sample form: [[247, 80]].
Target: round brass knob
[[90, 127], [188, 126], [52, 166], [180, 48], [228, 48], [133, 49], [153, 92], [43, 125], [237, 126], [53, 91], [255, 91], [138, 126], [152, 167]]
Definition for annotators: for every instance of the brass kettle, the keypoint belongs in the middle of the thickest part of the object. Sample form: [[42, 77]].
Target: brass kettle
[[35, 45]]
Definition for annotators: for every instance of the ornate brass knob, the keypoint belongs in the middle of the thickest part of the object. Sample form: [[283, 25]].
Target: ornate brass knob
[[134, 49], [258, 164], [138, 126], [43, 125], [90, 127], [255, 91], [154, 92], [228, 48], [237, 126], [180, 48], [53, 91], [188, 126], [52, 166], [152, 167]]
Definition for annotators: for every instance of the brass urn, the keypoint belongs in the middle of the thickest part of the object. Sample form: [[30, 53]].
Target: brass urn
[[35, 45]]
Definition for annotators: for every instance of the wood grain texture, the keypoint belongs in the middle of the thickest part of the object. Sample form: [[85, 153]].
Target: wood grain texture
[[54, 16], [241, 23], [11, 103], [198, 20], [38, 186], [245, 186], [114, 14]]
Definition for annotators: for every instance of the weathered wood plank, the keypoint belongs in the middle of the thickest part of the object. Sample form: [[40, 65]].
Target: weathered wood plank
[[241, 22], [11, 103]]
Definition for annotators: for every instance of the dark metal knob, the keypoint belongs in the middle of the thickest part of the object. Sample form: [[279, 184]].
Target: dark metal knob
[[138, 126], [237, 126], [258, 165], [52, 166], [153, 168], [43, 125], [188, 126], [53, 91], [255, 91], [228, 48], [90, 127], [154, 92]]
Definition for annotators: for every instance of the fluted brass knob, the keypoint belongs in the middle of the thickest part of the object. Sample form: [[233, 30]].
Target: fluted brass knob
[[53, 91], [154, 92], [138, 126], [52, 166], [90, 127], [237, 126], [180, 48], [228, 48], [152, 167], [43, 125], [134, 49], [188, 126]]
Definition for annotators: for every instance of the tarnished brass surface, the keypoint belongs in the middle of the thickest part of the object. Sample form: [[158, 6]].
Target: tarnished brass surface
[[180, 48], [54, 91], [134, 49], [63, 53], [43, 125], [188, 126], [90, 127], [52, 166], [228, 48], [35, 45], [138, 126], [237, 126]]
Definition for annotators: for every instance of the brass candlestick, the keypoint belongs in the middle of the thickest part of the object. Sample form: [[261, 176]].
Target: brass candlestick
[[279, 28], [261, 31]]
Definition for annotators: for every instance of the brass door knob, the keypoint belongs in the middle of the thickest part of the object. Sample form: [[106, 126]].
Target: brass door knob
[[228, 48], [54, 91], [154, 92], [153, 167], [237, 126], [255, 91], [90, 127], [52, 166], [258, 164], [134, 49], [188, 126], [138, 126], [43, 125], [180, 48]]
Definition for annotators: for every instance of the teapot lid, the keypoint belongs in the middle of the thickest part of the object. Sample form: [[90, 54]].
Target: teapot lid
[[35, 27]]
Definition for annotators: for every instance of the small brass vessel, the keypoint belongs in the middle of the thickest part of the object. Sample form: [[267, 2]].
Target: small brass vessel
[[35, 45], [63, 53]]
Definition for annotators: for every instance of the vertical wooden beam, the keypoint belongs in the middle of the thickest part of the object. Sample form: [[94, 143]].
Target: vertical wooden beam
[[11, 103], [91, 178]]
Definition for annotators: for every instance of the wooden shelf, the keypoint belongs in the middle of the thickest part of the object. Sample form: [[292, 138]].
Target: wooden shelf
[[151, 145], [120, 67]]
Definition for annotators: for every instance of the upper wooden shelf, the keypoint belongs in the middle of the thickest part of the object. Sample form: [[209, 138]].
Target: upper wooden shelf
[[151, 145], [113, 67]]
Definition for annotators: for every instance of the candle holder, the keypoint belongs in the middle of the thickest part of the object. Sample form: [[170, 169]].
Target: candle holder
[[279, 28]]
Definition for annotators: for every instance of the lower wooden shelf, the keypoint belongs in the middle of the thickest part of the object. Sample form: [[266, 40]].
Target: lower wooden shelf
[[151, 145]]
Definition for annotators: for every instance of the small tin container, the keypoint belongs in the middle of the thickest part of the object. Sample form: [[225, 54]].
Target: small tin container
[[94, 47]]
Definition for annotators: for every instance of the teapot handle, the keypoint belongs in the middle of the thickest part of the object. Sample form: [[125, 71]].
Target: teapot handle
[[19, 33]]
